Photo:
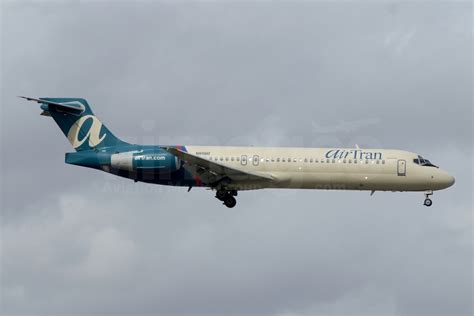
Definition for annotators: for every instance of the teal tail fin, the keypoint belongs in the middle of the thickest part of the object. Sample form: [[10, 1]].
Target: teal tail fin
[[78, 123]]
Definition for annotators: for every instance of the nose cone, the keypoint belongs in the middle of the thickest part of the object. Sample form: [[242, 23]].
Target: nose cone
[[450, 181], [445, 180]]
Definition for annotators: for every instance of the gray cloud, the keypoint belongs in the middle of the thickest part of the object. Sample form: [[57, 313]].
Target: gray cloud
[[392, 75]]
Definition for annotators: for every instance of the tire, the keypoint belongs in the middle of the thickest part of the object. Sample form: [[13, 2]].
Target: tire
[[428, 202], [230, 201], [221, 195]]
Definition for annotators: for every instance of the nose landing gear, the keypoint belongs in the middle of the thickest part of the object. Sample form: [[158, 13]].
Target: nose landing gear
[[428, 202], [227, 197]]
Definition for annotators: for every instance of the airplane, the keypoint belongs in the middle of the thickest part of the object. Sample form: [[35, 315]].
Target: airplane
[[227, 170]]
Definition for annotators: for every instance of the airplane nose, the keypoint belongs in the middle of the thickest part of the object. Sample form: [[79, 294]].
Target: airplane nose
[[448, 180], [451, 180], [443, 179]]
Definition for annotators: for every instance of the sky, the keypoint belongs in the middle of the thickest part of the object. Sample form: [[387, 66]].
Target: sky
[[390, 74]]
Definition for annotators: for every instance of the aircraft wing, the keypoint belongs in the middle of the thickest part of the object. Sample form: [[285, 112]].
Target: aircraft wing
[[217, 171]]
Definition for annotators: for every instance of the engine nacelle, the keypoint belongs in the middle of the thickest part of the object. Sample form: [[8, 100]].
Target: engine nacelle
[[152, 162]]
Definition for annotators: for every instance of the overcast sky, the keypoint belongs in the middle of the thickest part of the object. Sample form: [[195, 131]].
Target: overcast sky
[[77, 241]]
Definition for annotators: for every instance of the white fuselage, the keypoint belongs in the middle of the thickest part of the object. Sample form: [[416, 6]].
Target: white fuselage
[[328, 168]]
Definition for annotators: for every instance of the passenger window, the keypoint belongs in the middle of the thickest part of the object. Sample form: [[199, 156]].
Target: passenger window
[[221, 159], [244, 160], [334, 161], [383, 162], [295, 160], [378, 162], [344, 161], [306, 160], [278, 159], [226, 158], [311, 160], [366, 162], [283, 160], [238, 159], [355, 161]]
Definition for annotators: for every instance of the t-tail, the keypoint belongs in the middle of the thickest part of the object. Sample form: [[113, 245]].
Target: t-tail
[[78, 123]]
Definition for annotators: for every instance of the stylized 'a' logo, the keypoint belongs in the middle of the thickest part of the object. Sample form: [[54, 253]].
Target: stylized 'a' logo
[[93, 134]]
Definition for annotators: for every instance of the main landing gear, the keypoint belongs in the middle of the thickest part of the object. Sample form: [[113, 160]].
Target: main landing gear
[[428, 201], [227, 197]]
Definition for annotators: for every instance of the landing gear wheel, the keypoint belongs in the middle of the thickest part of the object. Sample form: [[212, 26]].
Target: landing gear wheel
[[230, 201], [227, 196], [428, 201], [221, 195]]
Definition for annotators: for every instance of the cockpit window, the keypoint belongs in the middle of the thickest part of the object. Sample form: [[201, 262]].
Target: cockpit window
[[423, 162]]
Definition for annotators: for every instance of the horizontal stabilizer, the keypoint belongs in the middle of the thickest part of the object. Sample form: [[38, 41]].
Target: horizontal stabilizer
[[73, 107]]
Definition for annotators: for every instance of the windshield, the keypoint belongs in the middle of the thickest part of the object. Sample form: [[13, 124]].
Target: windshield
[[423, 162]]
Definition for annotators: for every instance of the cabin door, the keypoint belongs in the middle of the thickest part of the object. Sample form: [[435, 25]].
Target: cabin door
[[402, 167]]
